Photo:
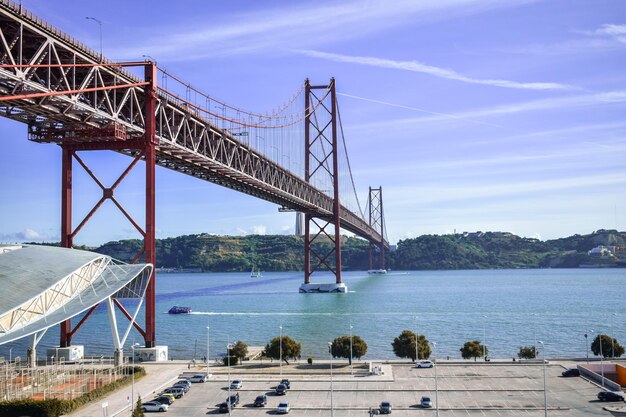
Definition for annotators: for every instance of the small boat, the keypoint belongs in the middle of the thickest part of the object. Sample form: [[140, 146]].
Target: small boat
[[254, 274], [616, 411], [179, 310], [377, 271]]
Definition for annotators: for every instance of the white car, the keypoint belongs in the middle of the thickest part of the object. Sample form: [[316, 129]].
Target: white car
[[154, 406], [283, 408], [236, 384], [198, 378], [423, 364]]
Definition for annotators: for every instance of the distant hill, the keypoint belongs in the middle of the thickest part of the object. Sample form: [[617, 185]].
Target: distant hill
[[479, 250]]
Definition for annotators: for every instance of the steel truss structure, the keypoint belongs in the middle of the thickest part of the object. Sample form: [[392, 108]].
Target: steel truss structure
[[70, 95], [377, 221]]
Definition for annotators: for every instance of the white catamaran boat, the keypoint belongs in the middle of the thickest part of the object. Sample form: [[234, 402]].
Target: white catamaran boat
[[255, 274], [377, 271]]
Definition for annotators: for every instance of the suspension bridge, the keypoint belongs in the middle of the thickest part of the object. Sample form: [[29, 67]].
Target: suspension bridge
[[294, 156]]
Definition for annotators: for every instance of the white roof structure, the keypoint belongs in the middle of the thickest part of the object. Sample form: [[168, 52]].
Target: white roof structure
[[43, 286]]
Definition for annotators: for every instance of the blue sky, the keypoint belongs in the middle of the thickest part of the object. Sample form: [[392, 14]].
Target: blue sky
[[472, 115]]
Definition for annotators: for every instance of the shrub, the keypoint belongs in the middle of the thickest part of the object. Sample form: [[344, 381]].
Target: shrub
[[309, 360], [233, 360]]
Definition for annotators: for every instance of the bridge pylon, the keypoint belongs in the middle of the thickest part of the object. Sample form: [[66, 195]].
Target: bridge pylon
[[376, 221], [321, 169]]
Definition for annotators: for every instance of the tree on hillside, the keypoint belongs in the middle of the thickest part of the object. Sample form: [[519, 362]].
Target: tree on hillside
[[527, 352], [291, 349], [610, 346], [404, 346], [341, 347], [474, 349], [239, 350]]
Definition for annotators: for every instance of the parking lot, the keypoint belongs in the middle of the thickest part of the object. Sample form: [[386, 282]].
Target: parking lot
[[463, 389]]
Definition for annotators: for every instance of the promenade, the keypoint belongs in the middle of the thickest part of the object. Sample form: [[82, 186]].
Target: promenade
[[464, 389]]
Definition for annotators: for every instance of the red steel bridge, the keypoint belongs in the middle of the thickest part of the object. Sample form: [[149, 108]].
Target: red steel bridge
[[294, 156]]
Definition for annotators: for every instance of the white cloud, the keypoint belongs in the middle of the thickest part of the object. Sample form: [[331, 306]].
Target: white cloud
[[259, 229], [298, 26], [23, 236], [617, 32], [415, 66]]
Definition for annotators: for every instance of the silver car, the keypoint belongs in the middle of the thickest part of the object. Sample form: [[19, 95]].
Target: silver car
[[154, 406]]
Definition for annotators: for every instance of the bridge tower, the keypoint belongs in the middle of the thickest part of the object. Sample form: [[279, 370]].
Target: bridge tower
[[376, 221], [141, 149], [321, 168]]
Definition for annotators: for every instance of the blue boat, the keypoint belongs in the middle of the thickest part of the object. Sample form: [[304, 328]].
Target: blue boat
[[179, 310]]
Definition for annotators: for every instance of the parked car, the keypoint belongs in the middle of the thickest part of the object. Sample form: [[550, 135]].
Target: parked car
[[164, 399], [199, 378], [225, 407], [154, 406], [571, 372], [426, 402], [286, 383], [424, 364], [168, 395], [610, 396], [233, 399], [236, 384], [281, 389], [260, 401], [183, 382], [385, 407], [283, 408], [176, 392], [184, 387]]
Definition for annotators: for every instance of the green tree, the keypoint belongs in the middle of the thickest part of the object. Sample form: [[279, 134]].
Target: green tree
[[239, 350], [404, 345], [473, 349], [291, 348], [138, 411], [527, 352], [341, 348], [610, 346]]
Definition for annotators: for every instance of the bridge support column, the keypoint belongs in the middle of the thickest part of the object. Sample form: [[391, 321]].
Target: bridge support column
[[376, 221], [65, 338], [321, 151]]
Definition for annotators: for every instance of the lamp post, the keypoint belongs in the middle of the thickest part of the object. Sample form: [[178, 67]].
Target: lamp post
[[545, 393], [208, 356], [485, 337], [280, 356], [132, 390], [417, 341], [228, 348], [99, 22], [436, 365], [612, 340], [601, 356], [587, 343], [330, 351], [351, 367]]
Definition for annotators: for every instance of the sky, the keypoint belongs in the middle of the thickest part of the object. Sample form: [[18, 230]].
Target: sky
[[471, 114]]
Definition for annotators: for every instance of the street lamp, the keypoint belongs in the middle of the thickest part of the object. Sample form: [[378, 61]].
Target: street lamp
[[587, 343], [280, 356], [132, 390], [485, 337], [208, 356], [228, 348], [417, 341], [330, 351], [545, 393], [351, 367], [612, 339], [436, 365], [601, 356], [99, 22]]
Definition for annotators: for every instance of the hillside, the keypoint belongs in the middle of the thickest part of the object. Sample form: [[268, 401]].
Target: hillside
[[489, 250]]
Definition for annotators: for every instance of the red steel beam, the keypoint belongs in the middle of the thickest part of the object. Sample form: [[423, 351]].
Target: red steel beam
[[84, 319], [336, 205], [129, 317], [66, 92], [65, 337], [150, 229]]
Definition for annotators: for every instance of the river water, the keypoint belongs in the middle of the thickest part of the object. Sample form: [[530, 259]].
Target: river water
[[506, 308]]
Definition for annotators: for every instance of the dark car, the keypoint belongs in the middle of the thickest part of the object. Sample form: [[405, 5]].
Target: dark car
[[164, 399], [281, 389], [184, 387], [286, 383], [224, 407], [260, 401], [610, 396], [385, 407], [233, 399], [571, 372]]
